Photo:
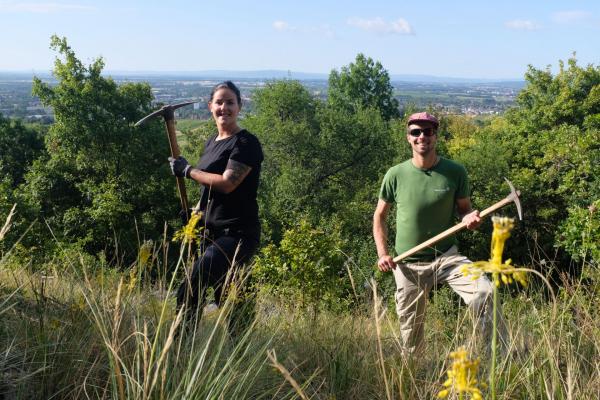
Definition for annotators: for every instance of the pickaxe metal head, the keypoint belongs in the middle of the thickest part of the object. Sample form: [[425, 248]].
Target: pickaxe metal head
[[514, 197], [167, 112]]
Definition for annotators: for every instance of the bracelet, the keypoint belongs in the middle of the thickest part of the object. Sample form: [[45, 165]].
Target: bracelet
[[187, 172]]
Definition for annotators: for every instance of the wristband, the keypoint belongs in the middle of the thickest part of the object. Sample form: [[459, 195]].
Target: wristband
[[187, 172]]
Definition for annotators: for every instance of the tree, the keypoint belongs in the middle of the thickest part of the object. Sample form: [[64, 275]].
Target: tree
[[19, 146], [571, 97], [548, 147], [363, 84], [318, 158], [101, 175]]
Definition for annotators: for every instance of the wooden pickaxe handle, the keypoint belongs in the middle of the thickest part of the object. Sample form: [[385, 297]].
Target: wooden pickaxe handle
[[171, 132], [511, 198], [168, 114]]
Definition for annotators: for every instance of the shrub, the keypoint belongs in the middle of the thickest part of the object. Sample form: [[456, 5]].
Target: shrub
[[580, 232], [306, 269]]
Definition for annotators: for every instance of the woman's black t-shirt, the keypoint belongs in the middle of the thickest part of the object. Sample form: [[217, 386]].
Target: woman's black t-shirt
[[238, 210]]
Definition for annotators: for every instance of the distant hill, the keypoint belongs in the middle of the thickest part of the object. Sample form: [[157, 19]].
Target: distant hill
[[261, 74], [446, 79], [223, 74]]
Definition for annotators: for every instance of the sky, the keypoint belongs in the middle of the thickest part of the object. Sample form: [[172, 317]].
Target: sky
[[463, 39]]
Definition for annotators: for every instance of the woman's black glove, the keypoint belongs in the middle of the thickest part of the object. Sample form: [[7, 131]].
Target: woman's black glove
[[185, 216], [180, 167]]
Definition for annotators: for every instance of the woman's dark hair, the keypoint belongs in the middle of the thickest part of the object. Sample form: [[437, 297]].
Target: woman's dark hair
[[227, 85]]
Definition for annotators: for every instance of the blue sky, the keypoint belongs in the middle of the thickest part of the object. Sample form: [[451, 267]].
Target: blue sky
[[470, 39]]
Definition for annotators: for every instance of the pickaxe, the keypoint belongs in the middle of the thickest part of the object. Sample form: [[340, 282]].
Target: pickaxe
[[168, 114], [513, 197]]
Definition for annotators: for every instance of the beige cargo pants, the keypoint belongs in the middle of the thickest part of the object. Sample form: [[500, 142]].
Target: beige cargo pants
[[415, 280]]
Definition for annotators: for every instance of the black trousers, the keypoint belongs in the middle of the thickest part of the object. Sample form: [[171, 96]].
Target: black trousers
[[217, 256]]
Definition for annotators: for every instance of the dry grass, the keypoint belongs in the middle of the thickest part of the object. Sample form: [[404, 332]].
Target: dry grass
[[95, 335]]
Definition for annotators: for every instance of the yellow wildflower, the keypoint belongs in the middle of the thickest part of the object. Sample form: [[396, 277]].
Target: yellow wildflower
[[501, 272], [145, 252], [78, 303], [189, 233], [55, 323], [462, 376], [133, 280]]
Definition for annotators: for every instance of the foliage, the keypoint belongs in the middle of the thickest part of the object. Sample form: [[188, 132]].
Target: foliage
[[285, 123], [461, 134], [548, 147], [318, 158], [306, 268], [19, 146], [101, 176], [363, 84], [323, 164], [572, 97], [7, 202], [580, 232]]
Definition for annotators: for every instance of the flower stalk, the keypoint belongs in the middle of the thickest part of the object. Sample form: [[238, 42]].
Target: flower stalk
[[501, 273]]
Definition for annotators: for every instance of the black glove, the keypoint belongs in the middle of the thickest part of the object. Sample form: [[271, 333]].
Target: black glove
[[180, 167]]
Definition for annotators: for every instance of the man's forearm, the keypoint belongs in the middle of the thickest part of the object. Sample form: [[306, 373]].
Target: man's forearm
[[380, 236]]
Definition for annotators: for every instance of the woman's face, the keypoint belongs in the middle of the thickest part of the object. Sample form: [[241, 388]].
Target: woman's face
[[224, 107]]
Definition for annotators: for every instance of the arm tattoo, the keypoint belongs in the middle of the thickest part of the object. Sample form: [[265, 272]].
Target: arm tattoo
[[235, 172]]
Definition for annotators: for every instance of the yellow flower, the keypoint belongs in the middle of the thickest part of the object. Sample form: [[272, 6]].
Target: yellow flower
[[78, 303], [133, 280], [145, 252], [501, 272], [462, 376], [189, 233], [55, 324]]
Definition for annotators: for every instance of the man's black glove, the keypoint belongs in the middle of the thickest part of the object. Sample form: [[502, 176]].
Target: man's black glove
[[180, 167]]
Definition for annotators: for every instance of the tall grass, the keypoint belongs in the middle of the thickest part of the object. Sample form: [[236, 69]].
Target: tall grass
[[92, 332]]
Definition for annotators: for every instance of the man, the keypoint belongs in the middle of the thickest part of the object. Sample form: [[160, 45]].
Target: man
[[429, 192]]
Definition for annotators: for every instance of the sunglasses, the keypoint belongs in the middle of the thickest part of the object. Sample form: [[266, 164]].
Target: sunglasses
[[417, 132]]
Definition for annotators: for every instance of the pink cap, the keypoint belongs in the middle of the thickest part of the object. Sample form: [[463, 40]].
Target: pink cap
[[423, 117]]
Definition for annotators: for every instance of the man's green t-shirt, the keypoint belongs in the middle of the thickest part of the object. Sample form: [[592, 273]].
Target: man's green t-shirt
[[425, 204]]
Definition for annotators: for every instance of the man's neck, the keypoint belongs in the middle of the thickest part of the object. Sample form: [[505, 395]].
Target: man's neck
[[426, 161]]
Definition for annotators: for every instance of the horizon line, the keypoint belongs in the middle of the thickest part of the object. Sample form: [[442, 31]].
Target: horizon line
[[245, 74]]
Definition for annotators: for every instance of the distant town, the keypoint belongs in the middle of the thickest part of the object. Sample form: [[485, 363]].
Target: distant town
[[451, 96]]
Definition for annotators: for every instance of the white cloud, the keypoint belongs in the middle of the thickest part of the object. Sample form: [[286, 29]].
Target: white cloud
[[523, 25], [281, 26], [41, 8], [567, 17], [379, 25]]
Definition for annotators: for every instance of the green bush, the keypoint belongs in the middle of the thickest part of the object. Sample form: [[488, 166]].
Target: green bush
[[307, 269], [580, 232]]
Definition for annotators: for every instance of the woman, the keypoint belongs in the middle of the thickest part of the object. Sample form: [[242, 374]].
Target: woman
[[229, 171]]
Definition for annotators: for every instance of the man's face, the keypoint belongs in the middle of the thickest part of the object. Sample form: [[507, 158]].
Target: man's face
[[422, 137]]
